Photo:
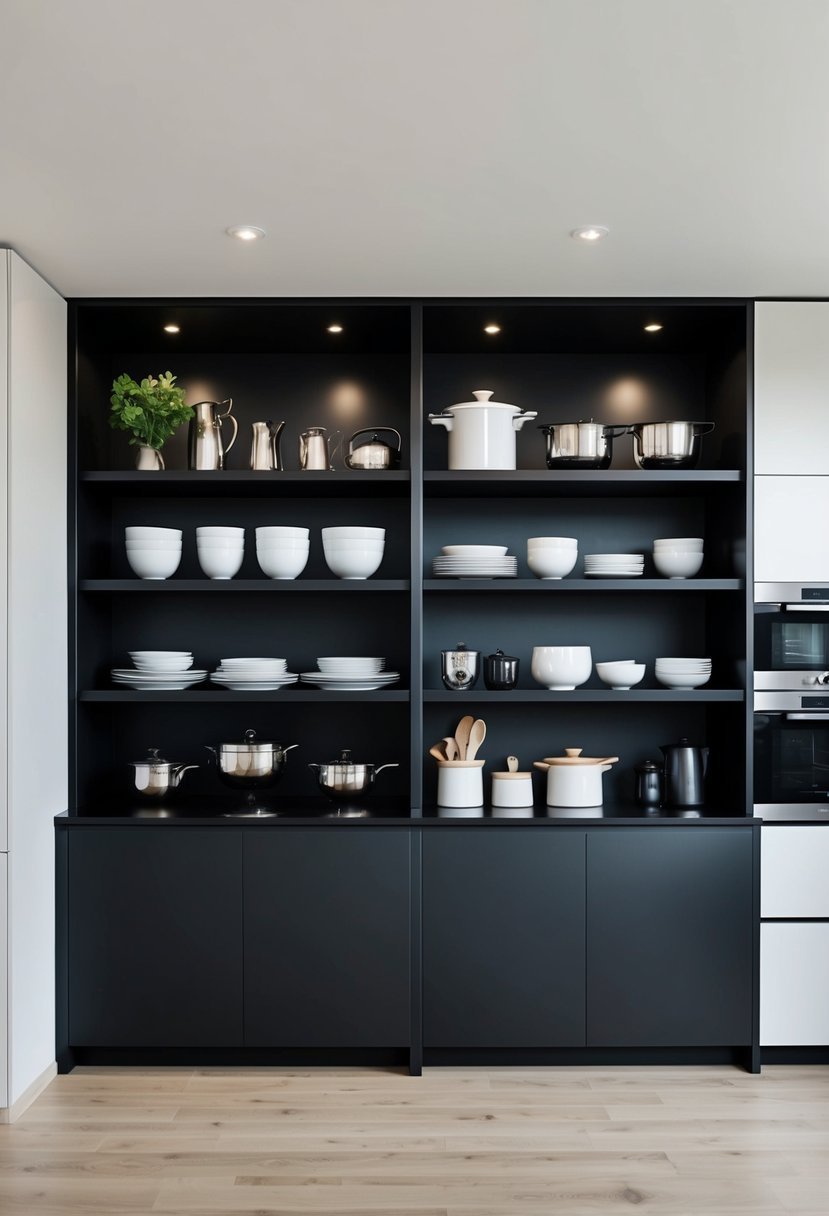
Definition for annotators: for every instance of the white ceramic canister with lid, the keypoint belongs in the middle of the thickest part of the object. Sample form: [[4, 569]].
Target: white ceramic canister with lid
[[512, 789], [460, 783], [482, 432]]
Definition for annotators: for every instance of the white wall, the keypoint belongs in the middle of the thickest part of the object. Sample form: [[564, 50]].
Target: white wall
[[36, 658]]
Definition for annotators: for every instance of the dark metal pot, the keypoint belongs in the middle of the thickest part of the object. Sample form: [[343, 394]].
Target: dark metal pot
[[668, 445], [500, 671], [580, 445]]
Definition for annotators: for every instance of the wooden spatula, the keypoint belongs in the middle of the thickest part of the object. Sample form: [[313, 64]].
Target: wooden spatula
[[462, 735], [476, 737], [451, 748]]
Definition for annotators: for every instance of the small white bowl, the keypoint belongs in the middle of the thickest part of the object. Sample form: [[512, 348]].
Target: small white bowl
[[282, 563], [286, 544], [220, 563], [353, 563], [154, 535], [673, 564], [474, 550], [680, 680], [169, 546], [353, 533], [679, 542], [349, 546], [217, 531], [552, 563], [620, 676], [272, 531], [154, 563], [552, 542], [226, 543]]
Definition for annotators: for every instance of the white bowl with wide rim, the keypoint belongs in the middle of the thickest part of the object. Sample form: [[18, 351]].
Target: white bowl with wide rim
[[621, 676], [552, 542], [220, 564], [215, 531], [350, 532], [284, 531], [561, 668], [282, 563], [353, 563], [672, 563], [287, 544], [552, 563], [136, 532], [154, 564]]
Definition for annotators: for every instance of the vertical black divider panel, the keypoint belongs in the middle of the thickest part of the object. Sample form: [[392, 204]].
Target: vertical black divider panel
[[416, 557]]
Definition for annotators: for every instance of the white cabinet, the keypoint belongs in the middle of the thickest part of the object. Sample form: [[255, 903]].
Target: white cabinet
[[794, 880], [794, 985], [791, 529], [791, 388]]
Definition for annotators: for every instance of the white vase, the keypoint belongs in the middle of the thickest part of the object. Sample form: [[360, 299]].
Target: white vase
[[148, 458]]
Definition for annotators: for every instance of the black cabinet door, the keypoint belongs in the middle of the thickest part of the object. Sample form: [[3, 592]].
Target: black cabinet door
[[669, 937], [327, 940], [503, 937], [155, 937]]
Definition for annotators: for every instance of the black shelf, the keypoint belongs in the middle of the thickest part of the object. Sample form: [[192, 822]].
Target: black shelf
[[553, 586], [243, 584], [115, 696], [576, 483], [337, 483], [691, 696]]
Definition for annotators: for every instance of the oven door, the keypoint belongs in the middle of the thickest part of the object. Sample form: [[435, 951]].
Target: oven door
[[791, 643], [791, 751]]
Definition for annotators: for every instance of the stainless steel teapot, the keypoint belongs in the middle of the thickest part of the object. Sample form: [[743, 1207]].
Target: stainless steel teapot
[[265, 452], [375, 454], [317, 447], [205, 447], [157, 778]]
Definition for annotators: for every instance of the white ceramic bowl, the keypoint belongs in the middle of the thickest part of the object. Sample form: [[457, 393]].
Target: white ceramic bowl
[[353, 533], [282, 563], [349, 546], [561, 668], [474, 550], [220, 563], [154, 563], [674, 564], [155, 535], [353, 563], [169, 546], [219, 531], [272, 531], [679, 542], [681, 680], [224, 543], [620, 676], [552, 542], [286, 544], [552, 563]]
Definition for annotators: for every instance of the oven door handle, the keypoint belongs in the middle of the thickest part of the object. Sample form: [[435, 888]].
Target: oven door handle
[[813, 716], [806, 607]]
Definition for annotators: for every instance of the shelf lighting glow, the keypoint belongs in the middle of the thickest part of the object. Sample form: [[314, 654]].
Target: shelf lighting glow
[[590, 233], [492, 329], [246, 232], [652, 329], [172, 329], [334, 329]]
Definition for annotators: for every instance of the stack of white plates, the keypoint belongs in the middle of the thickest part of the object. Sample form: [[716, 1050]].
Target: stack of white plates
[[474, 561], [159, 671], [683, 673], [348, 673], [614, 565], [253, 675]]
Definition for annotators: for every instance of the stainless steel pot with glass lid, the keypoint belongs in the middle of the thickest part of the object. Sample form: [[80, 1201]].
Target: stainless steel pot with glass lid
[[343, 780], [253, 764]]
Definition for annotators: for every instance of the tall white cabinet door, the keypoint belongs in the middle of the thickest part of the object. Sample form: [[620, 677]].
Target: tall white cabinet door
[[794, 984], [791, 388], [4, 548], [4, 980], [791, 536]]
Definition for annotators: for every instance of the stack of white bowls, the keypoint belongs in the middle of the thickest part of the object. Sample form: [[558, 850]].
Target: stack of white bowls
[[350, 673], [221, 551], [678, 556], [614, 565], [159, 670], [153, 553], [282, 552], [552, 556], [352, 552], [253, 675], [474, 561], [683, 673]]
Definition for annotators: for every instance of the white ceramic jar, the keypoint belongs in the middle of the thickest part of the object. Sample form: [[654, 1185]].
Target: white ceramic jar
[[461, 783], [574, 779], [482, 432], [512, 789]]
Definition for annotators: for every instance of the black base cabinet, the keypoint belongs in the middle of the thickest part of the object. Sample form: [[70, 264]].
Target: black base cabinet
[[154, 937], [503, 938], [327, 938], [669, 937]]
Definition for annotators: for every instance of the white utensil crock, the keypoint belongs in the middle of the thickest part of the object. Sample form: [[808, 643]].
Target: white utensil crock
[[461, 783], [482, 432]]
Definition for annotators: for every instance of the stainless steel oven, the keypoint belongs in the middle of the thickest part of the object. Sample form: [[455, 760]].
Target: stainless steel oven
[[791, 636]]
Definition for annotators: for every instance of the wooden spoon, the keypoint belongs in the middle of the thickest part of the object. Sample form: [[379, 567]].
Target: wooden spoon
[[462, 735], [512, 764], [451, 748], [438, 752], [476, 738]]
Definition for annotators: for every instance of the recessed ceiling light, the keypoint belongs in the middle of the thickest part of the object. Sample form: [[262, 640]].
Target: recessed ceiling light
[[590, 233], [492, 329], [335, 329], [246, 232], [653, 329], [172, 329]]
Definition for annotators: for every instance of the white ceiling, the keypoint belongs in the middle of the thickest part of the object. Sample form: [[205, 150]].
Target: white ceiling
[[417, 147]]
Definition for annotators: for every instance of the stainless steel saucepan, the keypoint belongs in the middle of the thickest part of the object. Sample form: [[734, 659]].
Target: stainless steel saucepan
[[668, 445], [580, 445], [250, 765], [344, 780]]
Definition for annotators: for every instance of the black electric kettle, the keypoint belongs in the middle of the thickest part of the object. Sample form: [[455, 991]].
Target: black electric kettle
[[685, 769]]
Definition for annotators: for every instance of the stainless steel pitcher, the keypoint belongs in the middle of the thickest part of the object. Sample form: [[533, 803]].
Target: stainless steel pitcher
[[205, 449], [315, 448], [265, 445]]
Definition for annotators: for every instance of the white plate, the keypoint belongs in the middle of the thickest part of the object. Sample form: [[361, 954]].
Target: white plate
[[128, 673], [255, 686], [355, 686]]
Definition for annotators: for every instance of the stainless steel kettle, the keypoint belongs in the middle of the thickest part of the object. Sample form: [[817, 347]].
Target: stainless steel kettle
[[315, 448], [205, 448], [375, 454], [265, 450], [685, 769], [158, 778]]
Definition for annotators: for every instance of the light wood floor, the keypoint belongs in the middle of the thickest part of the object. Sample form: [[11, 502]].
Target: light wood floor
[[459, 1142]]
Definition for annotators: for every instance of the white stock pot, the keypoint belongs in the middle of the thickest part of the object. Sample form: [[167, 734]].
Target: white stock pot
[[574, 779], [482, 432]]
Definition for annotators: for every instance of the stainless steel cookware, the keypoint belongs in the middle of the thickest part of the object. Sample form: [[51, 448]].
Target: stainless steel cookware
[[157, 778], [459, 667], [251, 764], [375, 454], [668, 445], [264, 445], [344, 780], [316, 448], [685, 770], [580, 445], [205, 447]]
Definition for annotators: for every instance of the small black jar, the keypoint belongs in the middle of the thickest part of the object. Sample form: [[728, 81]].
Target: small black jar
[[649, 783], [500, 671]]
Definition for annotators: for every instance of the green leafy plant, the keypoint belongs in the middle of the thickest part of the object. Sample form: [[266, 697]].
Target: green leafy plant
[[152, 410]]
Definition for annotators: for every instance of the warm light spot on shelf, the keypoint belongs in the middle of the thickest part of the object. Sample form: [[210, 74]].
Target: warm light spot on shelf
[[492, 329], [334, 329], [172, 329], [654, 328]]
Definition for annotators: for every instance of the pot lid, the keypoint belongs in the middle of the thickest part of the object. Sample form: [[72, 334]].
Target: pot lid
[[509, 776], [546, 426], [252, 744], [482, 397], [572, 755], [344, 761], [152, 757], [499, 654], [649, 766]]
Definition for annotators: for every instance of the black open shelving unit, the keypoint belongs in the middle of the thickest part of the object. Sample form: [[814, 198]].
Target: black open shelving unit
[[394, 363]]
